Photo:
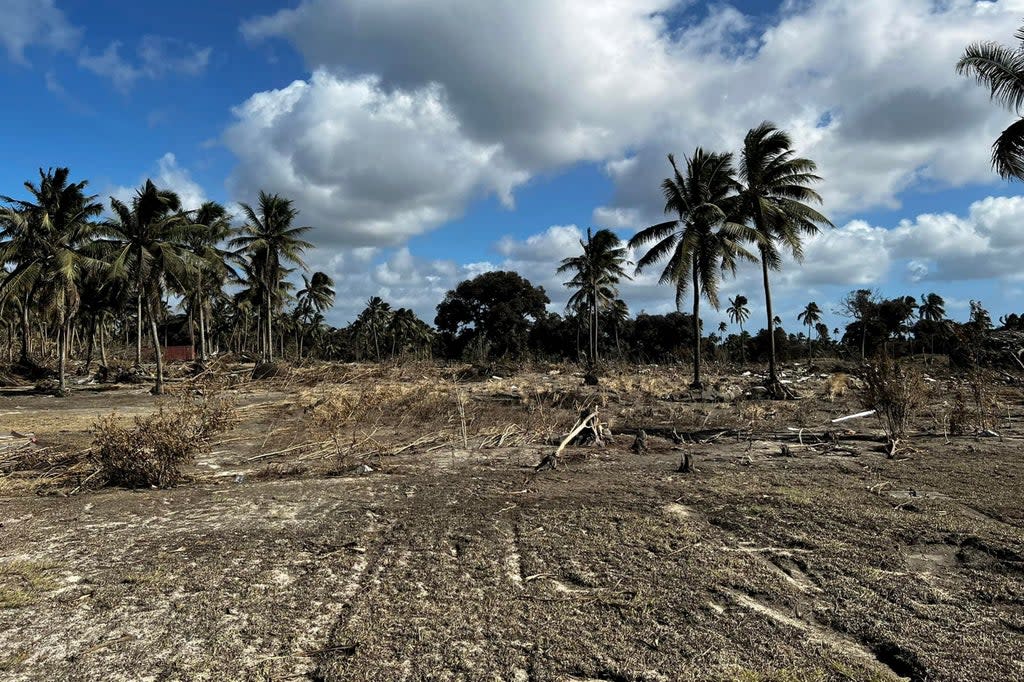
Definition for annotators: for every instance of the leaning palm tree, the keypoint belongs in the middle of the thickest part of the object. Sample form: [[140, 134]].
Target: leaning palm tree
[[43, 240], [810, 316], [597, 272], [270, 240], [774, 197], [739, 313], [932, 308], [1000, 68], [146, 245], [703, 241]]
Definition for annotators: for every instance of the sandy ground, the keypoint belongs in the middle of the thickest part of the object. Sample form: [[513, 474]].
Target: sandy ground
[[448, 563]]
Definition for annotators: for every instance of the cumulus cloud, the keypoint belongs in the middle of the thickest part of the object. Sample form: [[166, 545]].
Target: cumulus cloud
[[35, 22], [156, 57], [366, 165], [168, 174], [866, 88]]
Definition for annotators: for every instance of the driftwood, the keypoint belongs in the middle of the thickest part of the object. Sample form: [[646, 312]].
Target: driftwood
[[587, 421], [707, 435]]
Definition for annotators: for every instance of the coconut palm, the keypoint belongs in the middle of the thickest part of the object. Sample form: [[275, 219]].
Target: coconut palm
[[270, 240], [146, 246], [316, 296], [212, 265], [739, 313], [774, 197], [932, 308], [1000, 68], [810, 316], [702, 242], [597, 272], [43, 239], [374, 320]]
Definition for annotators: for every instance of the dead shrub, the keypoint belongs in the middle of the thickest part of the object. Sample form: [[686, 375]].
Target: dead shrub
[[152, 450], [895, 392], [836, 386]]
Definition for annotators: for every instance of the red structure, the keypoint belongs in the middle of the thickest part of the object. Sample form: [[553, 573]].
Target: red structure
[[184, 353]]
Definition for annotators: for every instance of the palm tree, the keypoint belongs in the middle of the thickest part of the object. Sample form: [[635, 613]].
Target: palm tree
[[932, 308], [314, 298], [375, 319], [270, 240], [703, 241], [739, 313], [618, 313], [773, 196], [1000, 68], [146, 242], [597, 270], [212, 267], [43, 240], [810, 317]]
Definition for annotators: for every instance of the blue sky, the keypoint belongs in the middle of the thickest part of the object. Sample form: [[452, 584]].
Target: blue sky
[[429, 141]]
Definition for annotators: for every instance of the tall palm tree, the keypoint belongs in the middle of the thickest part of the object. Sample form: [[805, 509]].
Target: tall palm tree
[[375, 319], [1000, 68], [810, 317], [739, 313], [212, 268], [146, 242], [313, 299], [774, 197], [270, 240], [618, 313], [597, 272], [703, 241], [43, 240]]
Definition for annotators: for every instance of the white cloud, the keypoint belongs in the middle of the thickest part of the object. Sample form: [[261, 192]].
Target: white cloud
[[168, 175], [866, 88], [34, 22], [156, 57], [366, 166]]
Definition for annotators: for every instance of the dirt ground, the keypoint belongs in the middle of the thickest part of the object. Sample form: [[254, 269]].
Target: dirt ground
[[428, 549]]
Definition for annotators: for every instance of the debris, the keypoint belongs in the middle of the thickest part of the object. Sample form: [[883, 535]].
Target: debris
[[239, 478], [364, 469], [685, 464], [866, 413], [550, 462]]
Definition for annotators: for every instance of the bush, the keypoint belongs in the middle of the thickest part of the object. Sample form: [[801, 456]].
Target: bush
[[895, 392], [153, 449]]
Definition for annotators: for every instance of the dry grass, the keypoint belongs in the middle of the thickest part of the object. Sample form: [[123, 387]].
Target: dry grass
[[895, 391], [22, 582], [153, 450]]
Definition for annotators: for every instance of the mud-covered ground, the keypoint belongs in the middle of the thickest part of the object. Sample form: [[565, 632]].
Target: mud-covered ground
[[448, 562]]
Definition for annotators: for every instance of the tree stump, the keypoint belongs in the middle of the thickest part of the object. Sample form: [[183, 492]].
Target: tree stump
[[685, 464], [639, 445]]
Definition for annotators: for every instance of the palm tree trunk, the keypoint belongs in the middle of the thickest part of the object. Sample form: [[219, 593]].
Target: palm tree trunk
[[191, 330], [808, 344], [773, 377], [202, 330], [90, 344], [158, 388], [270, 329], [138, 328], [696, 332], [103, 346], [26, 332], [743, 347], [62, 370]]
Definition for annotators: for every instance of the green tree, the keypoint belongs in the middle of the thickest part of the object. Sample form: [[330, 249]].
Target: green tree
[[212, 267], [315, 297], [597, 272], [774, 198], [270, 240], [42, 240], [146, 246], [1000, 68], [496, 310], [739, 313], [810, 316], [702, 242]]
